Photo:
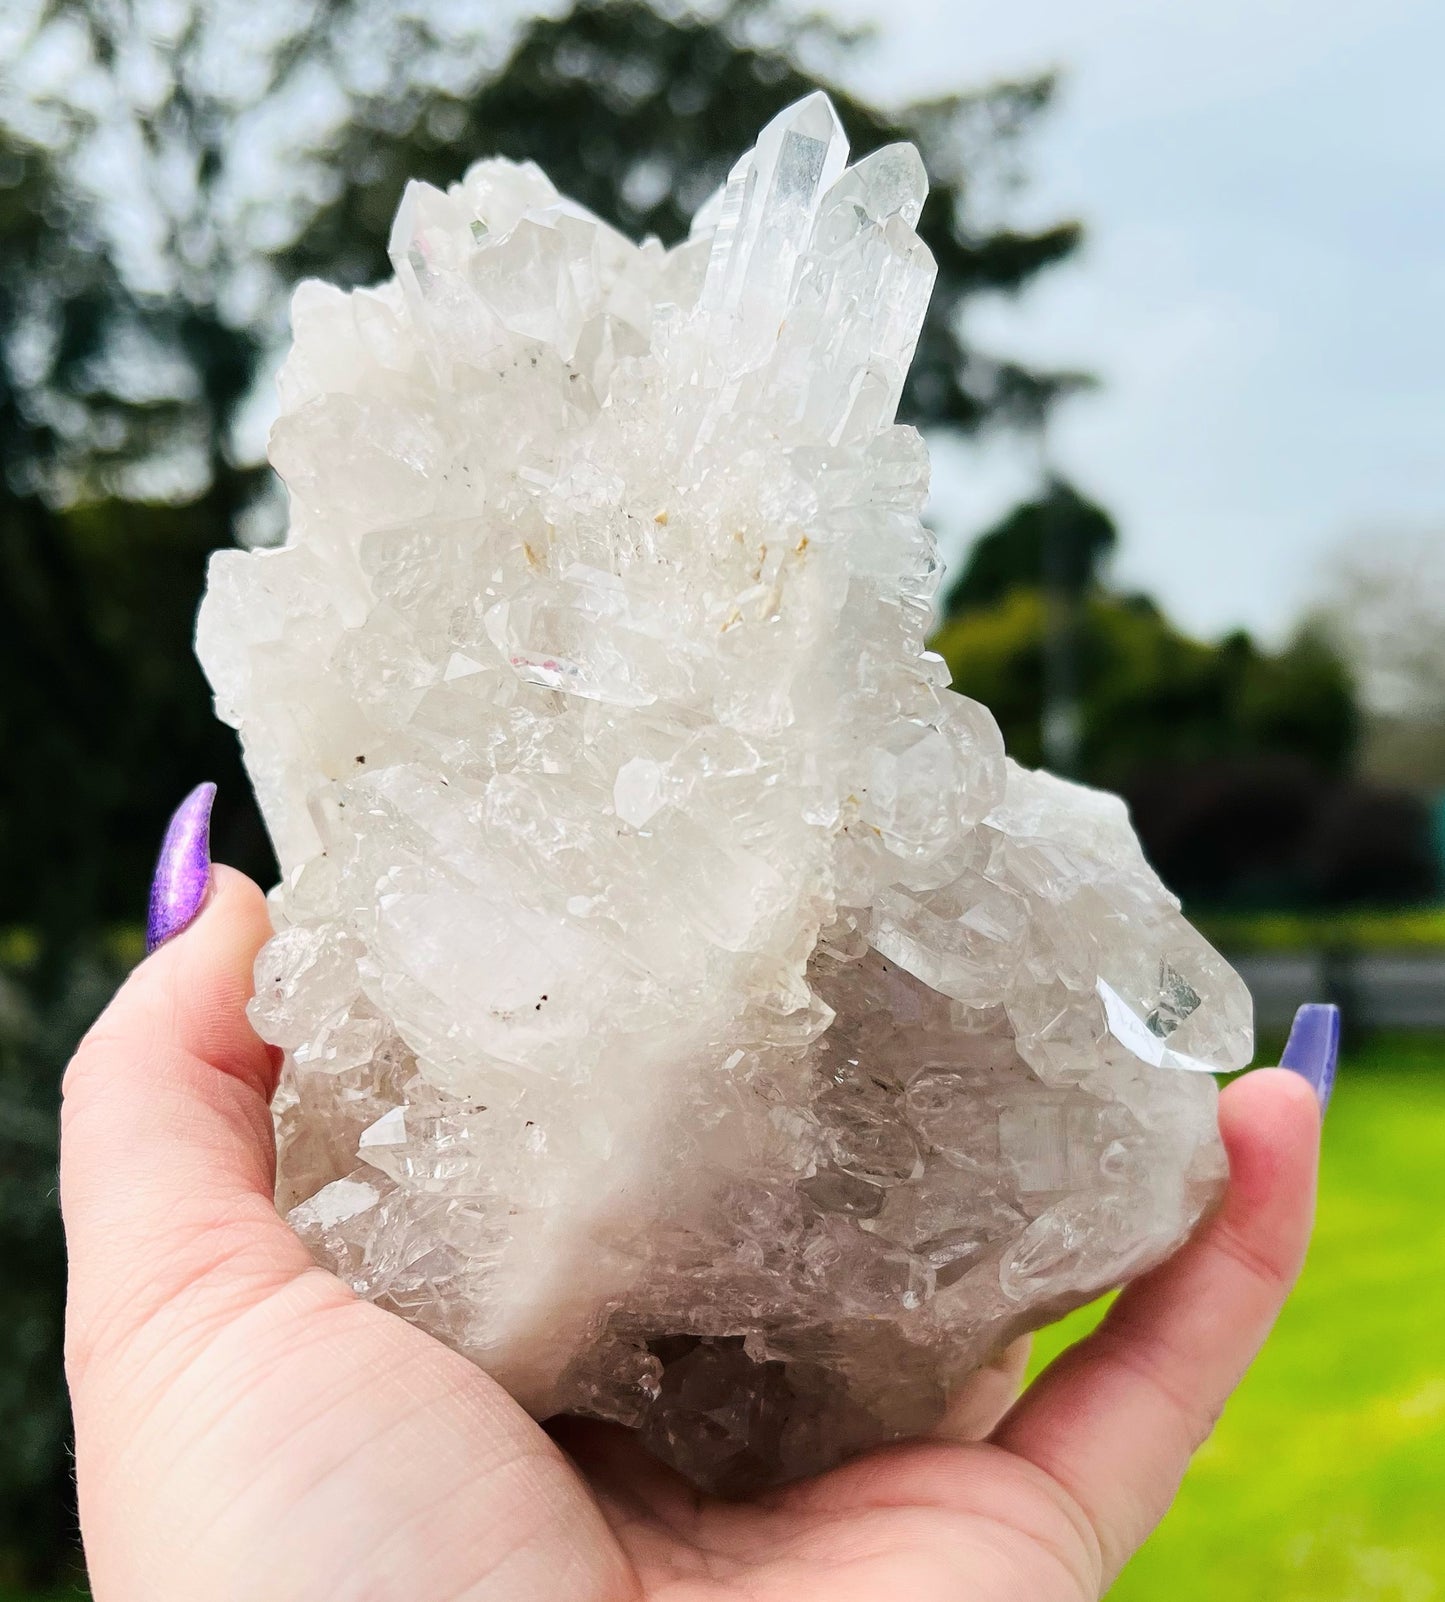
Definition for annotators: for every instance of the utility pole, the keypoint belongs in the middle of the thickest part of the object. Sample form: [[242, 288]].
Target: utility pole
[[1060, 725]]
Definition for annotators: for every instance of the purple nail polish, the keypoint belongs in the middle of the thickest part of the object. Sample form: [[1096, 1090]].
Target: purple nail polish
[[183, 870], [1313, 1049]]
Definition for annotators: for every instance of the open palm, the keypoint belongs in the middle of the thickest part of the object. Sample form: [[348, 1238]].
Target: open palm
[[246, 1428]]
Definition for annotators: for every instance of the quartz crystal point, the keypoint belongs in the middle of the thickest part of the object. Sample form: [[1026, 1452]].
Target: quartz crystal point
[[689, 1013]]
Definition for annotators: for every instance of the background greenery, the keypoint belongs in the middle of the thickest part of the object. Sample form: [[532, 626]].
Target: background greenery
[[1323, 1479], [157, 202]]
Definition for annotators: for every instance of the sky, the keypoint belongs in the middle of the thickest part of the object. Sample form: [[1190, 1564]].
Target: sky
[[1262, 292]]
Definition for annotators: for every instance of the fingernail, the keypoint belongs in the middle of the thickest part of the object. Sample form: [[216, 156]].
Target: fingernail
[[1313, 1049], [183, 870]]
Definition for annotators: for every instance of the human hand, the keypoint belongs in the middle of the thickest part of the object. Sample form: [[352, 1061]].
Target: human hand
[[247, 1428]]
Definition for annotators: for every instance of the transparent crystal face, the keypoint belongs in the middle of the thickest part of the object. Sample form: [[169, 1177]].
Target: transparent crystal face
[[689, 1013]]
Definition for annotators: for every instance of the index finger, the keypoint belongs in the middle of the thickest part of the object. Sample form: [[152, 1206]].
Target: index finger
[[1117, 1417]]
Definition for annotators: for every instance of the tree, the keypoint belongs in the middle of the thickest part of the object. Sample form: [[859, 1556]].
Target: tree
[[635, 109], [1058, 541], [61, 303], [1235, 760], [1383, 606], [38, 1030], [1150, 696], [1270, 831], [102, 710], [639, 112]]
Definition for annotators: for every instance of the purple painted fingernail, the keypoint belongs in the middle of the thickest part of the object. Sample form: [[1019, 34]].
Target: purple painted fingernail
[[183, 870], [1313, 1048]]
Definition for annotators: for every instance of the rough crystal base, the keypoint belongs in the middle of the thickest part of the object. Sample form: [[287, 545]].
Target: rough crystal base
[[689, 1013]]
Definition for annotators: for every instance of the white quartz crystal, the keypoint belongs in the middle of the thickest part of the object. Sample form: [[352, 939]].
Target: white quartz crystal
[[690, 1014]]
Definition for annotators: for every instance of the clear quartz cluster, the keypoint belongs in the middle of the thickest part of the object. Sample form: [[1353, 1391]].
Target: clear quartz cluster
[[689, 1012]]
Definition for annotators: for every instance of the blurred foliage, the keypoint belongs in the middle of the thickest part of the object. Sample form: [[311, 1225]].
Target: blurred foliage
[[97, 607], [1383, 604], [640, 114], [1060, 541], [39, 1024], [1149, 695], [1238, 762], [150, 357], [1273, 830], [1367, 929]]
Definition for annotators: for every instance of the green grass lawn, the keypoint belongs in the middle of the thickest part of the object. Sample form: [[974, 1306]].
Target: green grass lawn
[[1325, 1481], [1361, 929]]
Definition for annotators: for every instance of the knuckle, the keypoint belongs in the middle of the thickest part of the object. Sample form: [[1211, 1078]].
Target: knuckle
[[1149, 1360], [1273, 1277], [107, 1049], [194, 1287], [96, 1049]]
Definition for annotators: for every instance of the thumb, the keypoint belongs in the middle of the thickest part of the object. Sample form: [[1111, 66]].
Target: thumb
[[167, 1156]]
